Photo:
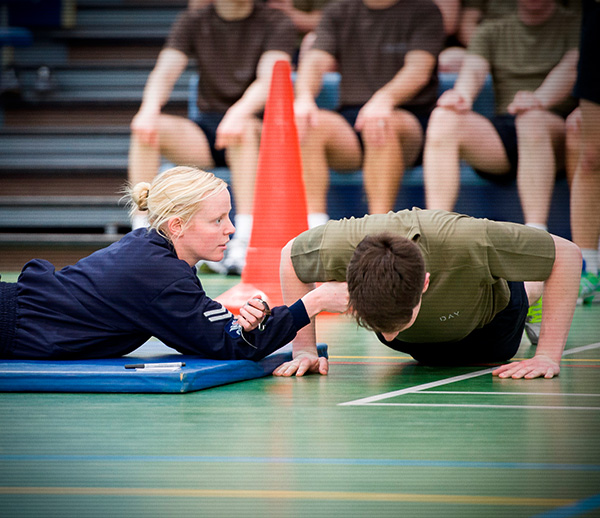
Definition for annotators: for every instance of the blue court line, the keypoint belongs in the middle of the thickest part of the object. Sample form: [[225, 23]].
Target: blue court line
[[300, 460], [578, 508]]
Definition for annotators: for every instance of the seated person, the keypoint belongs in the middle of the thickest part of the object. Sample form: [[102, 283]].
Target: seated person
[[388, 88], [235, 45], [532, 56]]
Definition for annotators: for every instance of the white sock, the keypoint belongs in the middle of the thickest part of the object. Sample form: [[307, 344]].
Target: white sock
[[316, 219], [538, 225], [243, 226], [139, 221], [590, 256]]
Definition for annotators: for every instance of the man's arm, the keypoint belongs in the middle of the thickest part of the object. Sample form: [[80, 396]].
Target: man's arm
[[555, 88], [408, 82], [470, 80], [169, 66], [560, 299], [308, 85], [305, 353], [251, 102]]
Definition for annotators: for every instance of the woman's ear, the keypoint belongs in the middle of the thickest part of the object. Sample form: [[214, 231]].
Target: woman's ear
[[175, 227]]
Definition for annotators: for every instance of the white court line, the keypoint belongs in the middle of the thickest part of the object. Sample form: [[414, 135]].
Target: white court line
[[560, 394], [418, 388], [462, 405]]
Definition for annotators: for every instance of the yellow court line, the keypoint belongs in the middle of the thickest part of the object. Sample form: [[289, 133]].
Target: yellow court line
[[285, 495]]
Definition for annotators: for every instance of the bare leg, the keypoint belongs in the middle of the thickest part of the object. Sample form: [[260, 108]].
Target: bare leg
[[541, 138], [450, 137], [585, 190], [384, 165], [179, 139], [332, 143], [243, 160]]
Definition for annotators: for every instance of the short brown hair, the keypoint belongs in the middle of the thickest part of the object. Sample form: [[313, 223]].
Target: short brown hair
[[385, 279]]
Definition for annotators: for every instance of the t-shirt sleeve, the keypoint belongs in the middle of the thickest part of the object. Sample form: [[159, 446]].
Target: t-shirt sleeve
[[519, 253], [482, 39], [282, 34], [326, 30], [180, 35], [428, 33]]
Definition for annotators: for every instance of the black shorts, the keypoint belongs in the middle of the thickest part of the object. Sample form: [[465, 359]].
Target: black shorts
[[208, 122], [495, 342], [507, 131], [588, 72], [350, 113], [8, 317]]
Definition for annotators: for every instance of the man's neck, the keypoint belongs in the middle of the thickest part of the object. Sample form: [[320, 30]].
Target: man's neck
[[536, 16], [232, 10], [379, 4]]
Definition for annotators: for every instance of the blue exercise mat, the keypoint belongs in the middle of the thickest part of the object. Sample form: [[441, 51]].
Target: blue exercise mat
[[110, 375]]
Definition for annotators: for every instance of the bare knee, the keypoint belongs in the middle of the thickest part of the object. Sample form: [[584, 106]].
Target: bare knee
[[442, 127]]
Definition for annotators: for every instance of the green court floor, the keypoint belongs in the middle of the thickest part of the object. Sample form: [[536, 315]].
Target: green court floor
[[380, 436]]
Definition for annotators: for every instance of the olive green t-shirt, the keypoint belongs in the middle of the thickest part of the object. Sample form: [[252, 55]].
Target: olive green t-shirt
[[521, 56], [469, 260], [491, 8]]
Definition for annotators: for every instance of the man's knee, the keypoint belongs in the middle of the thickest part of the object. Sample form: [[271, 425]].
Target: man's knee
[[442, 126]]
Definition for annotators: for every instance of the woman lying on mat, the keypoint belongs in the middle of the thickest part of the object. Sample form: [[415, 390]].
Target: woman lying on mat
[[111, 302]]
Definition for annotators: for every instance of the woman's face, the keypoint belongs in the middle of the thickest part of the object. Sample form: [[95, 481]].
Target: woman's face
[[207, 233]]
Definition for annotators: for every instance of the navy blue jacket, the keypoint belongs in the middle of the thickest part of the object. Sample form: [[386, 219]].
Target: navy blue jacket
[[111, 302]]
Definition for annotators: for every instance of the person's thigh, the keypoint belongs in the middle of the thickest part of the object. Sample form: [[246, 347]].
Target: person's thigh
[[183, 142], [342, 145], [535, 128], [481, 145]]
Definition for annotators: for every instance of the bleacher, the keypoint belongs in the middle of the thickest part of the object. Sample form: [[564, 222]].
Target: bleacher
[[63, 152]]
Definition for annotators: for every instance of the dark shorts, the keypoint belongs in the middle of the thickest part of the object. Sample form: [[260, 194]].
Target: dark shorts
[[350, 113], [588, 72], [8, 317], [208, 123], [495, 342], [507, 131]]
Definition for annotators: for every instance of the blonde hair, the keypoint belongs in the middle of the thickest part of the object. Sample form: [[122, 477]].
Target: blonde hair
[[178, 192]]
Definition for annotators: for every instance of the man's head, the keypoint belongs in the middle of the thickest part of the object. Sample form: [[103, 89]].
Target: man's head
[[386, 279]]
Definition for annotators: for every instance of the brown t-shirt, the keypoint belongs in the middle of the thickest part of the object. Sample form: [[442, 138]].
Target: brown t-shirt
[[227, 52], [370, 45]]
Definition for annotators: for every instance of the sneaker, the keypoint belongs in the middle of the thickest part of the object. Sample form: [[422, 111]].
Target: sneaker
[[211, 267], [533, 323], [235, 257], [44, 80], [589, 285]]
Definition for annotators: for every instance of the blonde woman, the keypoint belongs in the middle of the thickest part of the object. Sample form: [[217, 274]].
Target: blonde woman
[[111, 302]]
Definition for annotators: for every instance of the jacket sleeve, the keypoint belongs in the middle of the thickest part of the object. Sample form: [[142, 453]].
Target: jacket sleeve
[[186, 319]]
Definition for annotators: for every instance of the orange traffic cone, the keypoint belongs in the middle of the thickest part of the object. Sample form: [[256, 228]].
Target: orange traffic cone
[[280, 212]]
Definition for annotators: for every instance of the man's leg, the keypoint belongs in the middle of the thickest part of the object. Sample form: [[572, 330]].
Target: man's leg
[[332, 143], [242, 159], [384, 162], [541, 142], [452, 136], [180, 140], [585, 192]]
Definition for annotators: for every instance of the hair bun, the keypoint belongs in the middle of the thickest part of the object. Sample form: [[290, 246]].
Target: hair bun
[[139, 194]]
